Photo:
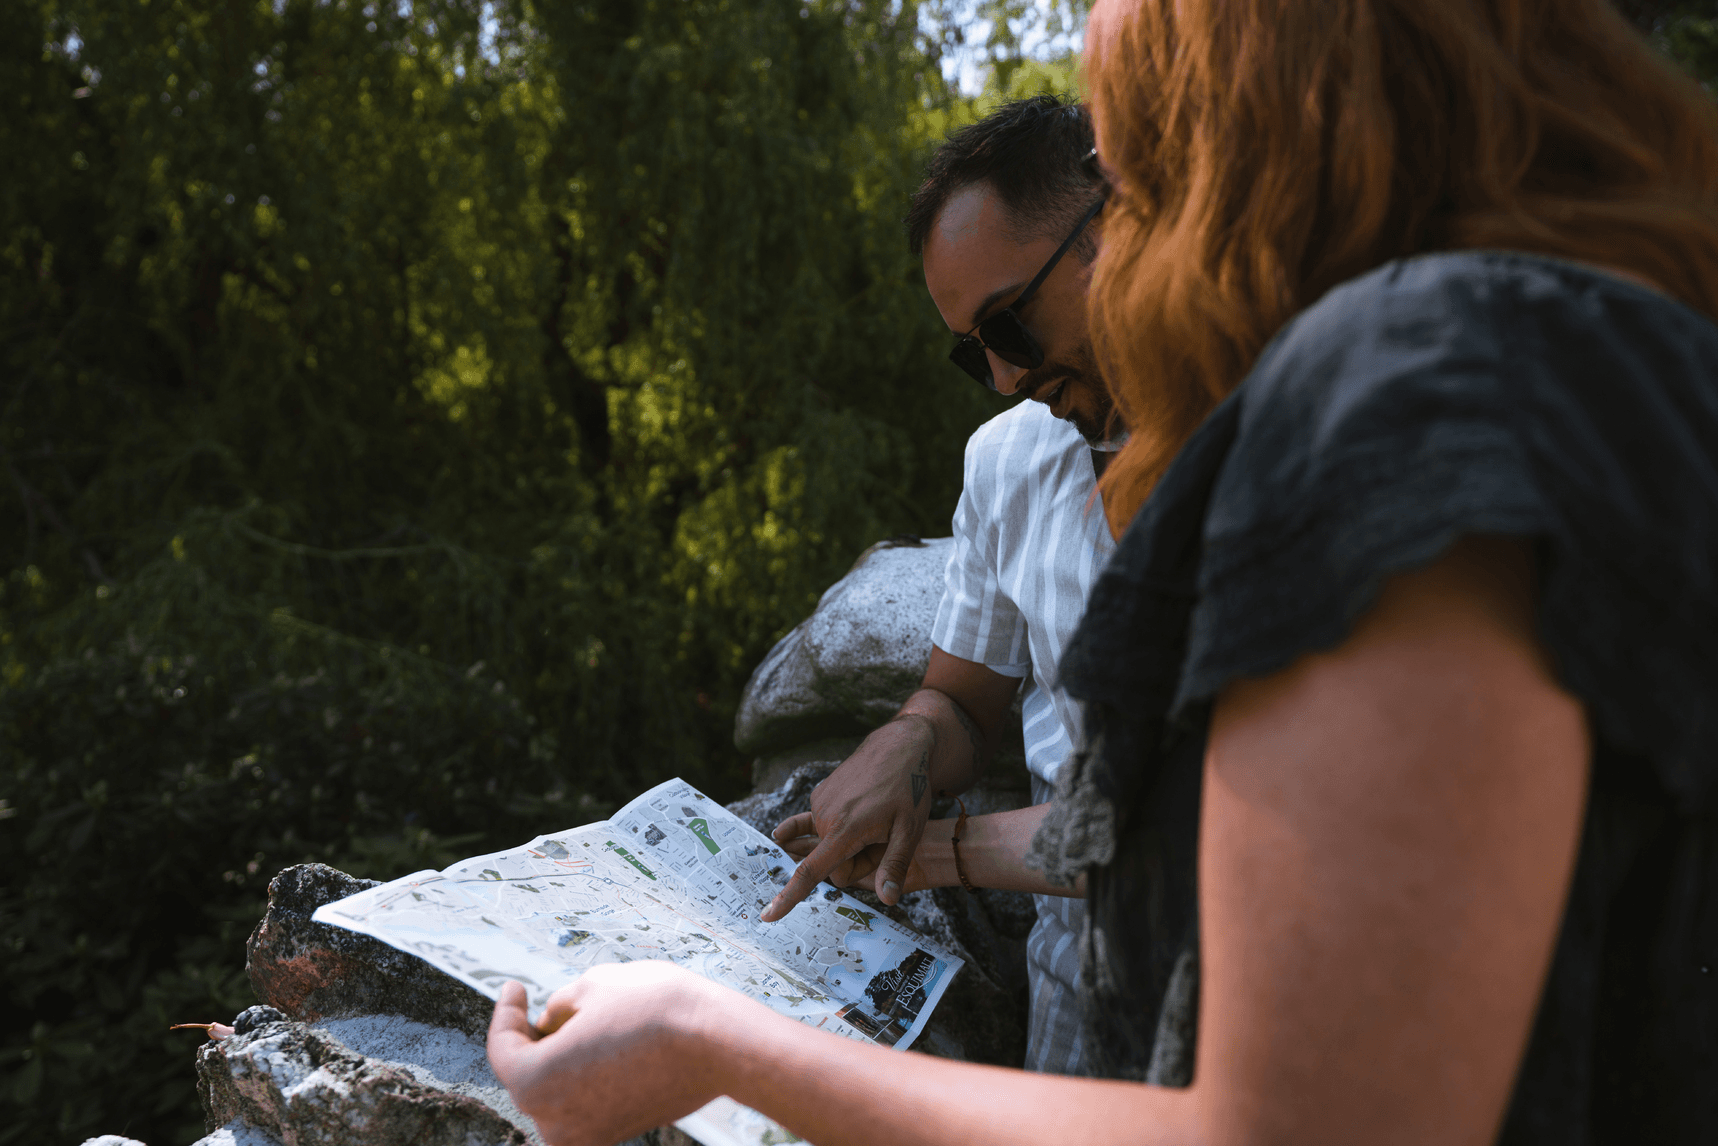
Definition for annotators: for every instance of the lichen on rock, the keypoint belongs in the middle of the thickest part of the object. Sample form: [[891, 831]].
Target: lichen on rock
[[308, 1089], [310, 970], [861, 653]]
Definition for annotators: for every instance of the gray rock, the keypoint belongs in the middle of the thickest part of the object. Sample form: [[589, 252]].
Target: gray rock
[[111, 1140], [869, 639], [251, 1018], [435, 1057], [236, 1133], [764, 810], [453, 1062], [781, 705], [308, 1089], [850, 665], [358, 1081], [311, 971], [771, 772]]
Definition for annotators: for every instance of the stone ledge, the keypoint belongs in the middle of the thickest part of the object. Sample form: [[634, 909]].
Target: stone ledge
[[309, 1089], [313, 971]]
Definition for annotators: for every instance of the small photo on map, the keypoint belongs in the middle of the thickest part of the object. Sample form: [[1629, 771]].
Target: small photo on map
[[898, 994], [896, 997], [884, 1032]]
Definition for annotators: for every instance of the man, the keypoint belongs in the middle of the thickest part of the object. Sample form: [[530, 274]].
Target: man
[[1005, 222]]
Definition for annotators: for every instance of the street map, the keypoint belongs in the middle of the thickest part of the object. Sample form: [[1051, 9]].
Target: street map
[[673, 875]]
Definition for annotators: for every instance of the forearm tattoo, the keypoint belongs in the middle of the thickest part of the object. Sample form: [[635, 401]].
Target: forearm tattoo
[[973, 737]]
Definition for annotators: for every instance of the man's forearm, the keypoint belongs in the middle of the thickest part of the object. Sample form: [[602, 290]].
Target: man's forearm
[[961, 752], [992, 853]]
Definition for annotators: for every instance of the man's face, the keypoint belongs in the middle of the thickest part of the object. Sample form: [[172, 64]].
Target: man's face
[[974, 269]]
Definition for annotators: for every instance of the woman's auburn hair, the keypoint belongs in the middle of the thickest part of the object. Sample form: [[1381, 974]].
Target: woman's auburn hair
[[1263, 151]]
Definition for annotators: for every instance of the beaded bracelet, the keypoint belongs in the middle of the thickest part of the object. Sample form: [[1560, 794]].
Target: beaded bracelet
[[959, 826]]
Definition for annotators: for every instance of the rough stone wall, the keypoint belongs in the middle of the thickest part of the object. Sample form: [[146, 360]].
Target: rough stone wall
[[309, 1089], [849, 667], [311, 970], [359, 1044]]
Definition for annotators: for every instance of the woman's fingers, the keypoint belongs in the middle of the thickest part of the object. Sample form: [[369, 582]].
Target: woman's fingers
[[510, 1032], [618, 1051], [562, 1005]]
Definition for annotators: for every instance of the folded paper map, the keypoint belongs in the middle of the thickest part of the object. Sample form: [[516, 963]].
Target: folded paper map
[[673, 875]]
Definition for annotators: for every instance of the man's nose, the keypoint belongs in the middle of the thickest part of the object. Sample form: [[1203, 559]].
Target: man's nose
[[1006, 375]]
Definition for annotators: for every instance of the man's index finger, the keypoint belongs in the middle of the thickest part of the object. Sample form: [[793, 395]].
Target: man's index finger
[[805, 879]]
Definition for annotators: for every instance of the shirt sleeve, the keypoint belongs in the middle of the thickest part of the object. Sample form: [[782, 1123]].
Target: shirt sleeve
[[1526, 399], [976, 620], [1356, 456]]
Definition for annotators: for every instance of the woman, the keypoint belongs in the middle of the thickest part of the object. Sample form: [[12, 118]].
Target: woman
[[1419, 627]]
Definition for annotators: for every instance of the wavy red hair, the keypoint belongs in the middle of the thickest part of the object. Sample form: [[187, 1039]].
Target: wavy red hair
[[1265, 150]]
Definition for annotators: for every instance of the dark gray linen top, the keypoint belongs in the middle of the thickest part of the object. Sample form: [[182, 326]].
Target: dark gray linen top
[[1447, 394]]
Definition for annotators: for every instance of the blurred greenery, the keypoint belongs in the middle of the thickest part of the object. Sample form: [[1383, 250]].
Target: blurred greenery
[[1016, 47], [1687, 31], [416, 419]]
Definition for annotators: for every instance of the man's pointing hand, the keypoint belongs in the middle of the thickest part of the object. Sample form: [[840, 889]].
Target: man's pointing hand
[[880, 795]]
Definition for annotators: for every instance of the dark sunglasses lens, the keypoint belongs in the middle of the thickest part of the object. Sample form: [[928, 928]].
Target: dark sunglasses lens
[[968, 354], [1008, 338]]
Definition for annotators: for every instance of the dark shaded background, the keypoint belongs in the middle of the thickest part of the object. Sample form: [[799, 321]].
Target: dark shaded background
[[416, 419]]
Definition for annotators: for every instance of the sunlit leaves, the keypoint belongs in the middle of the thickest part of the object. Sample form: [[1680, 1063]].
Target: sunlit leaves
[[454, 400]]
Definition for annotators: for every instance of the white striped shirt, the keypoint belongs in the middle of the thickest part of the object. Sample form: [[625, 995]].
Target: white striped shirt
[[1029, 541]]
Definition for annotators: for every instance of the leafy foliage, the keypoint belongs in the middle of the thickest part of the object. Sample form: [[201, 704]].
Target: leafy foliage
[[1033, 37], [417, 418], [1687, 31]]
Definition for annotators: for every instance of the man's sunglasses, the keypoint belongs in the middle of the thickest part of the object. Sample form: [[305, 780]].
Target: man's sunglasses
[[1003, 334]]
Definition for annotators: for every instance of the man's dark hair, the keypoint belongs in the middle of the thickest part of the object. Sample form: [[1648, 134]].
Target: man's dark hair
[[1030, 151]]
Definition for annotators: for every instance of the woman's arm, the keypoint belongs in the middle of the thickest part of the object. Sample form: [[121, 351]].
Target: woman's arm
[[1387, 839], [992, 853], [658, 1042]]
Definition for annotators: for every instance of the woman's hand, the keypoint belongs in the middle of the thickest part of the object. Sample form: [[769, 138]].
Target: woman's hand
[[618, 1052]]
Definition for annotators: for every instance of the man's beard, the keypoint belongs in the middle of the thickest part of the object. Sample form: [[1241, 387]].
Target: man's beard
[[1081, 373], [1096, 426]]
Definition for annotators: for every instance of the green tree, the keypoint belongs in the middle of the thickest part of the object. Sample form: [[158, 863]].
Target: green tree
[[417, 419]]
